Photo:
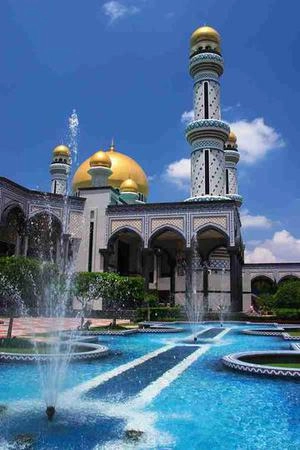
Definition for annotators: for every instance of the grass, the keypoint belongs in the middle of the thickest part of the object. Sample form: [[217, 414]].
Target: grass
[[21, 345], [287, 365], [27, 350], [107, 328], [293, 333]]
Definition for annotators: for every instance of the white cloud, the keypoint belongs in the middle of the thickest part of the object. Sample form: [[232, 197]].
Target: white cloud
[[283, 247], [229, 108], [249, 221], [179, 173], [255, 139], [116, 10], [187, 117]]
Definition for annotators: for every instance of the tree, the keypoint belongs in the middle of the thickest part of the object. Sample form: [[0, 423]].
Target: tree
[[12, 298], [87, 289], [288, 295]]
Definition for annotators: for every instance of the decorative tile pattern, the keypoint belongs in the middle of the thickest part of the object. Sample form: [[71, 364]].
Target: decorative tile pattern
[[207, 123], [76, 223], [207, 143], [264, 332], [209, 75], [176, 222], [93, 351], [136, 224], [199, 222]]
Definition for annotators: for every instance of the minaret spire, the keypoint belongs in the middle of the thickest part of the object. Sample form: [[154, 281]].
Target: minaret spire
[[207, 134], [59, 169], [112, 145], [232, 157]]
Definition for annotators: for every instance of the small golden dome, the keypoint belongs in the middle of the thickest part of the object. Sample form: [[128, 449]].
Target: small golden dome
[[62, 150], [122, 167], [100, 159], [205, 34], [232, 137], [129, 185]]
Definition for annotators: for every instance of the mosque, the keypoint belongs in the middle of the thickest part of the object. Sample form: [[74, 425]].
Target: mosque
[[110, 226]]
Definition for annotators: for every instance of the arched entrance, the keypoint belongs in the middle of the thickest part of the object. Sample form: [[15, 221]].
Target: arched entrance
[[261, 285], [45, 237], [125, 253], [166, 274], [13, 226]]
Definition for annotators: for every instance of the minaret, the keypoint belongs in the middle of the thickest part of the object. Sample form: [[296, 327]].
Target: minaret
[[100, 169], [232, 157], [129, 191], [59, 169], [207, 134]]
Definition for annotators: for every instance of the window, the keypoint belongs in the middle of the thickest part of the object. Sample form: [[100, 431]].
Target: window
[[206, 100], [206, 164], [54, 187], [91, 242], [227, 182]]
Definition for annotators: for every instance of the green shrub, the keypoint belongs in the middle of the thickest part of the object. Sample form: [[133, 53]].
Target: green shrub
[[266, 303], [288, 295], [159, 313], [22, 275], [151, 299], [287, 313], [126, 292]]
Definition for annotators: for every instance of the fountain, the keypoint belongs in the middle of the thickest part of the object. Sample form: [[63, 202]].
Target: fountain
[[194, 305], [223, 306], [58, 292], [56, 279]]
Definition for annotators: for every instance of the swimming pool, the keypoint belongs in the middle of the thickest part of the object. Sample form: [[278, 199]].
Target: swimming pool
[[180, 396]]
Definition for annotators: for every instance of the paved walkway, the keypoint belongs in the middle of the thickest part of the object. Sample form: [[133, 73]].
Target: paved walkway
[[27, 326]]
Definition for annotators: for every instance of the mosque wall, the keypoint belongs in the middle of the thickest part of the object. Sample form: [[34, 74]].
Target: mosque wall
[[93, 236]]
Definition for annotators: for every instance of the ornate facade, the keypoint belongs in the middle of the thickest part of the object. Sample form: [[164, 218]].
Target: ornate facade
[[193, 245]]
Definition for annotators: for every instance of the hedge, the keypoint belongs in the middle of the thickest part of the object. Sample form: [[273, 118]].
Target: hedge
[[38, 284], [159, 313], [287, 313]]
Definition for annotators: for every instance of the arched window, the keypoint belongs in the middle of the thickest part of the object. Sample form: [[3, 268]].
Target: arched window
[[206, 166], [227, 181], [206, 112]]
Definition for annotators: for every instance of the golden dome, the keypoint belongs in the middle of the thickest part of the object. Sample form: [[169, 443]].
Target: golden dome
[[129, 185], [62, 150], [122, 167], [232, 137], [100, 159], [205, 34]]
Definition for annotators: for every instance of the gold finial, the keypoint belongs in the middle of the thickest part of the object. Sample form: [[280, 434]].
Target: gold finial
[[112, 146]]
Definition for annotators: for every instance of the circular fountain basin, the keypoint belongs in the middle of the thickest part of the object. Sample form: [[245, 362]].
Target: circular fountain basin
[[158, 327], [83, 351], [266, 363], [264, 331]]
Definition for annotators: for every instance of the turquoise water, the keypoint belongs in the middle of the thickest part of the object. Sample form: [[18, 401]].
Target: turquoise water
[[206, 407]]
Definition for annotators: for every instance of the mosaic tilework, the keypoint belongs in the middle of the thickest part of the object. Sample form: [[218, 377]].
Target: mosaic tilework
[[177, 222], [198, 222], [75, 224], [119, 223]]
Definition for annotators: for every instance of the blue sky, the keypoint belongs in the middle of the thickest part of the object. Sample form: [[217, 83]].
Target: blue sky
[[124, 66]]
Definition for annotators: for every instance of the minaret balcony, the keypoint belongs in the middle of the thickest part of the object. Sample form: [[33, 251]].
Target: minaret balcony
[[232, 156], [207, 128], [206, 62]]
